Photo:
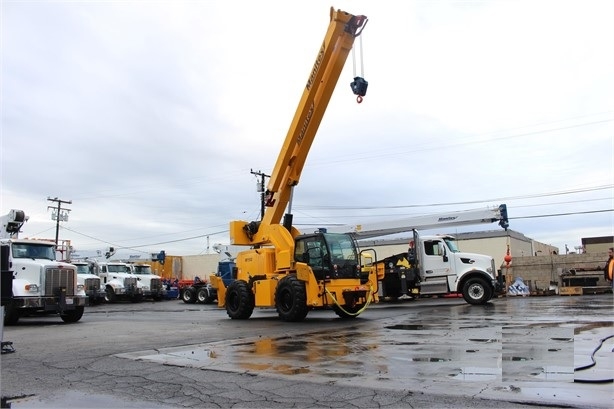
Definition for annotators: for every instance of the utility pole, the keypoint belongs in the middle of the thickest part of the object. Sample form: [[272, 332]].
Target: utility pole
[[261, 190], [57, 215]]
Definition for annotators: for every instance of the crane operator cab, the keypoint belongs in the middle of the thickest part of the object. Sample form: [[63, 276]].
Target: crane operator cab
[[330, 255]]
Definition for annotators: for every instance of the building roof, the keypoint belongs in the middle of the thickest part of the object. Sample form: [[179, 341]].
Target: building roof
[[598, 240]]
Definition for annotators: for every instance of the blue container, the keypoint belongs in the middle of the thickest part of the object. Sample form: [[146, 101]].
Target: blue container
[[172, 294]]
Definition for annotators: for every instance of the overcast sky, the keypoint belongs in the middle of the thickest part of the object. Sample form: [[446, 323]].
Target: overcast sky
[[150, 115]]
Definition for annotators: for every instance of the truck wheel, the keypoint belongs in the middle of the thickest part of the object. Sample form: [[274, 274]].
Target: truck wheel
[[291, 299], [110, 296], [188, 295], [73, 315], [203, 295], [239, 300], [11, 315], [476, 291]]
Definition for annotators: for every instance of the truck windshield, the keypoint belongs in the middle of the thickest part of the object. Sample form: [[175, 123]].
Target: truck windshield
[[33, 250], [82, 269], [118, 268], [342, 248], [451, 243], [143, 270]]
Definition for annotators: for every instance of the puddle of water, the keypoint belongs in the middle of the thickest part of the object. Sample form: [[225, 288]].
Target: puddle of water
[[476, 374], [407, 327]]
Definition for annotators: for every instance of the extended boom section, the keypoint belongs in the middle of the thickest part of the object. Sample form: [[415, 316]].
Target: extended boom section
[[283, 269]]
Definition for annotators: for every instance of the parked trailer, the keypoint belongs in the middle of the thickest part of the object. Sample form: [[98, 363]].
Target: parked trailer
[[197, 290]]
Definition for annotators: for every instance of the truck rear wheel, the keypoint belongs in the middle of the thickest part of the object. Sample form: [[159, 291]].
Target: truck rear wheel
[[239, 300], [476, 291], [291, 299], [204, 295], [73, 315], [188, 295]]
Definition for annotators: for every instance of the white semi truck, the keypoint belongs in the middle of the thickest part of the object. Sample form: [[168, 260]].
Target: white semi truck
[[39, 283], [92, 285], [433, 265], [150, 282], [119, 281]]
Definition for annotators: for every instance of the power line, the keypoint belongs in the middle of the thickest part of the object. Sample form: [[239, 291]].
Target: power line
[[561, 214], [147, 245], [559, 193]]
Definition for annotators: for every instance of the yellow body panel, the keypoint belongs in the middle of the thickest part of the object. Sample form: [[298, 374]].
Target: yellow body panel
[[218, 284], [255, 262], [264, 292]]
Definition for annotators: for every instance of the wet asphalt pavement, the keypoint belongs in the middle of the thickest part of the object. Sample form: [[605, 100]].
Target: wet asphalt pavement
[[555, 351]]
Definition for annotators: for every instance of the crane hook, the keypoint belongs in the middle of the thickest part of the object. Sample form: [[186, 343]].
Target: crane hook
[[359, 87]]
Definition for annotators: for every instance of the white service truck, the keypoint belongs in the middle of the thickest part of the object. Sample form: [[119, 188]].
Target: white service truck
[[119, 281], [150, 282], [39, 283], [92, 284], [433, 265]]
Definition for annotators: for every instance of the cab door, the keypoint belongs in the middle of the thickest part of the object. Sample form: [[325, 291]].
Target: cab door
[[435, 258]]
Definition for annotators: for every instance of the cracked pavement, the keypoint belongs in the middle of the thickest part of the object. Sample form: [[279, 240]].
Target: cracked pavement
[[423, 353]]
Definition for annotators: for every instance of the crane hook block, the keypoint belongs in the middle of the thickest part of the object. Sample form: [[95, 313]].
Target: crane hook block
[[359, 88]]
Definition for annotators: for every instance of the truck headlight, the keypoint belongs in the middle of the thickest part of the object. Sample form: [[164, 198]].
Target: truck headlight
[[80, 287], [33, 288]]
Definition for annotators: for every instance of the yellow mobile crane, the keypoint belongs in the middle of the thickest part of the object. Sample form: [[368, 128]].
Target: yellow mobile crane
[[284, 269]]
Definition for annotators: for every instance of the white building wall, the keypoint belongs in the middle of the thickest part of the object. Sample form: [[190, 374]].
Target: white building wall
[[201, 266]]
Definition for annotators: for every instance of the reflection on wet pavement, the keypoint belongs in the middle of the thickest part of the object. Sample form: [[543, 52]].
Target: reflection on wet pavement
[[456, 348]]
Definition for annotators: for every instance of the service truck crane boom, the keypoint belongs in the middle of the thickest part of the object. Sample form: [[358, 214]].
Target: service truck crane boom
[[287, 270], [426, 222]]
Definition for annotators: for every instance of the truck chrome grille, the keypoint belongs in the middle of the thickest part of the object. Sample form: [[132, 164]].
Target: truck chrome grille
[[92, 284], [156, 284], [57, 278], [130, 282]]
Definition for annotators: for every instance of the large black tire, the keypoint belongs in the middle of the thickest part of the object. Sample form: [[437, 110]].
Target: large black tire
[[11, 315], [347, 312], [188, 295], [239, 300], [476, 291], [73, 315], [110, 296], [291, 299], [204, 295]]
